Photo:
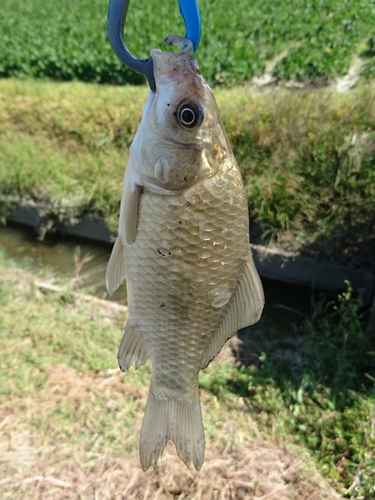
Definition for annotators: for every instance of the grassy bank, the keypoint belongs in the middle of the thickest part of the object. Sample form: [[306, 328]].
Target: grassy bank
[[306, 157], [70, 421]]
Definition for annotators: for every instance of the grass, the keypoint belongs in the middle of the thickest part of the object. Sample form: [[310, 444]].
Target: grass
[[306, 157], [67, 148], [70, 420]]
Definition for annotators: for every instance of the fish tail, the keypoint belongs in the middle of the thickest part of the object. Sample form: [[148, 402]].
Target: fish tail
[[180, 421]]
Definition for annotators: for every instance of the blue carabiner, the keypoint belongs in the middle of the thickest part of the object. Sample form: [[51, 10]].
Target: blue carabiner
[[192, 19], [117, 11]]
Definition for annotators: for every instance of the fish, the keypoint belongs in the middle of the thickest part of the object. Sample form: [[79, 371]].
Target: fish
[[183, 248]]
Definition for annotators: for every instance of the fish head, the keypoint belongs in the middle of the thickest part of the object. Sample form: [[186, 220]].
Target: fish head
[[182, 137]]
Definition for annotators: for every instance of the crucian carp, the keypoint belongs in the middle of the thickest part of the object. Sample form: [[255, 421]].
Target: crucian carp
[[183, 248]]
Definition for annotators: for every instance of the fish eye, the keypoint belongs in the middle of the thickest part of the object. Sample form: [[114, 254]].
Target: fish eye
[[189, 115]]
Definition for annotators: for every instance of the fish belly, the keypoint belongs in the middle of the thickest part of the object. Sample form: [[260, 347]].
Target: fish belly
[[182, 271]]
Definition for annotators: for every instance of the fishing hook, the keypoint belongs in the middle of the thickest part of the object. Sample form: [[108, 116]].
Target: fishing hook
[[117, 11]]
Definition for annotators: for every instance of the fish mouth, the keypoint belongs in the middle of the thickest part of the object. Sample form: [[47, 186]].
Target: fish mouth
[[175, 41], [179, 41], [176, 66]]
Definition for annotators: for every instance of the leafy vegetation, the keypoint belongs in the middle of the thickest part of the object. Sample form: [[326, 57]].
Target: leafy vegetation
[[307, 161], [313, 39]]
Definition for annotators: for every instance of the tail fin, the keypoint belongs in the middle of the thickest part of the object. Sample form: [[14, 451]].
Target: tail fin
[[179, 421]]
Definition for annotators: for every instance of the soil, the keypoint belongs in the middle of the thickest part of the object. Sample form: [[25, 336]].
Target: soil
[[350, 246]]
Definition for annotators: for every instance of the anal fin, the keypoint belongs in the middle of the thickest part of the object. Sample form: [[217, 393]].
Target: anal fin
[[132, 348], [245, 308]]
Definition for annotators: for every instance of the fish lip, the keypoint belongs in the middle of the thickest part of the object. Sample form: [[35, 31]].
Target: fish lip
[[176, 41], [179, 41]]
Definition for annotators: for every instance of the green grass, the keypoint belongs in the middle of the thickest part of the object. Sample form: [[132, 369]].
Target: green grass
[[306, 157], [67, 144], [313, 39], [36, 340], [48, 338]]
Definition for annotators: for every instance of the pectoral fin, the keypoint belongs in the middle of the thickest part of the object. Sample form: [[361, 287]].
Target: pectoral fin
[[116, 269], [115, 274], [132, 348], [244, 309], [130, 214]]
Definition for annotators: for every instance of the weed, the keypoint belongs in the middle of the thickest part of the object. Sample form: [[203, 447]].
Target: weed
[[71, 420]]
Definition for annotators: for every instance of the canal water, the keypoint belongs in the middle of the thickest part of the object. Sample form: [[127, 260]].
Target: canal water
[[80, 261]]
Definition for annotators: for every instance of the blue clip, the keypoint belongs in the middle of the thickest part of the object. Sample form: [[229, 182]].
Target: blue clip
[[192, 19], [117, 11]]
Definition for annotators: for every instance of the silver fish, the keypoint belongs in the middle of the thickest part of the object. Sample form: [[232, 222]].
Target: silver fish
[[183, 248]]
